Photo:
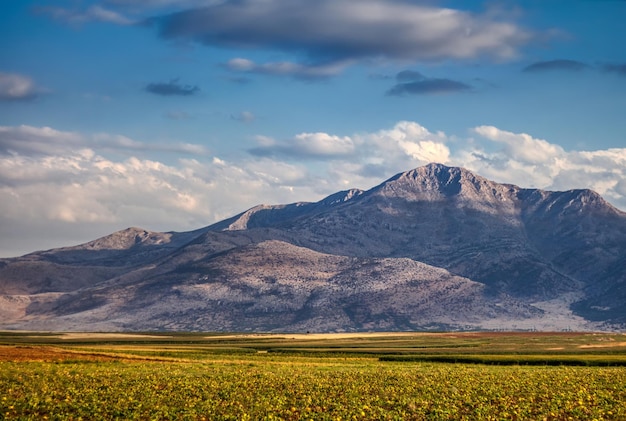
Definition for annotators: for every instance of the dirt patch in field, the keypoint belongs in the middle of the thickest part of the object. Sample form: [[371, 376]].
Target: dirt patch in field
[[47, 354], [604, 345]]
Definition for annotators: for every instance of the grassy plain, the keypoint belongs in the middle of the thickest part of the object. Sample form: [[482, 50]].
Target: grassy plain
[[373, 376]]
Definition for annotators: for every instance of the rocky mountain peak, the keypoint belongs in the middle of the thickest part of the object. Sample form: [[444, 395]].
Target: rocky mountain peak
[[127, 238], [587, 199], [241, 222], [342, 196], [437, 182], [561, 203]]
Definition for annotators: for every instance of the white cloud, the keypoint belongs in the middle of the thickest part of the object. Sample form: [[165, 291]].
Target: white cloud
[[323, 144], [94, 13], [521, 146], [265, 141], [16, 87], [288, 68], [37, 140], [407, 144], [99, 13], [530, 162], [241, 64], [29, 140]]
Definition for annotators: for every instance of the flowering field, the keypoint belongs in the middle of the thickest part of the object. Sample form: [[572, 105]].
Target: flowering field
[[196, 380]]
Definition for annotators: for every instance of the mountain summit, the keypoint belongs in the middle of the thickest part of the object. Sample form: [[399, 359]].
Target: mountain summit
[[435, 247]]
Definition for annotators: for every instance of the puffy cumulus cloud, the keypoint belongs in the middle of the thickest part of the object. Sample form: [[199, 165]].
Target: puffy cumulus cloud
[[529, 162], [335, 31], [601, 159], [386, 152], [305, 146], [603, 171], [14, 87], [521, 146], [407, 143], [322, 144]]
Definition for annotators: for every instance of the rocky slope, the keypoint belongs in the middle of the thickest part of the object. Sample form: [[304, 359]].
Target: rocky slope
[[434, 247]]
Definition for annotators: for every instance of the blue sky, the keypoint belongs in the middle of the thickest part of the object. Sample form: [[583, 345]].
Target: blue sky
[[173, 114]]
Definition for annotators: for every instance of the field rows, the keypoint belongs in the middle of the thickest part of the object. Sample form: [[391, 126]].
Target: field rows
[[192, 380], [258, 390]]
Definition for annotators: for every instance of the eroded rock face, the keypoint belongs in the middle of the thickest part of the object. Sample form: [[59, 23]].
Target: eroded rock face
[[434, 247]]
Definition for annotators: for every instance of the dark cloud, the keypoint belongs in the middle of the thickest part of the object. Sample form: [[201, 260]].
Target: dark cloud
[[429, 86], [172, 88], [329, 31], [411, 82], [409, 76], [620, 68], [555, 65]]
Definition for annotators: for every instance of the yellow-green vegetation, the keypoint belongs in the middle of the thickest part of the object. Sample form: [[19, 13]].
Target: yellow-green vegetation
[[319, 377]]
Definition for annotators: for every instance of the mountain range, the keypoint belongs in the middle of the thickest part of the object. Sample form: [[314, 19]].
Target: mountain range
[[432, 248]]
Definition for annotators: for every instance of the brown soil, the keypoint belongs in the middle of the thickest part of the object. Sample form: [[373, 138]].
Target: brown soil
[[604, 345]]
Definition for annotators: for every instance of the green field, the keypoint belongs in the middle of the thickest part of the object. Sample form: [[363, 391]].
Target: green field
[[406, 376]]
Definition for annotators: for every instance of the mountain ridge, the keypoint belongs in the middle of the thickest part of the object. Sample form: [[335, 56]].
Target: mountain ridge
[[517, 247]]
